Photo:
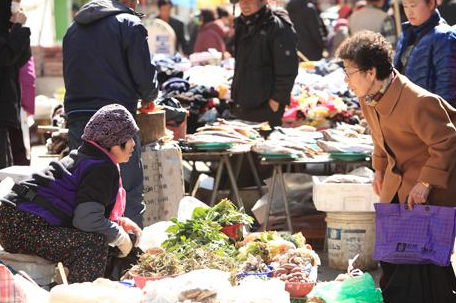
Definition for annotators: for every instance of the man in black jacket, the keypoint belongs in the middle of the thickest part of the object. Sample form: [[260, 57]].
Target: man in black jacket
[[14, 53], [106, 60], [266, 63], [309, 27], [164, 13]]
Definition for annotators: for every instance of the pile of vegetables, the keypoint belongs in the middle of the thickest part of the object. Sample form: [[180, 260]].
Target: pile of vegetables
[[157, 263], [270, 244], [199, 243], [225, 213]]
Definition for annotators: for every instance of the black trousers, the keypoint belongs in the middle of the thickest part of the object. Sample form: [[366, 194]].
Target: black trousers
[[405, 283], [6, 158], [17, 147]]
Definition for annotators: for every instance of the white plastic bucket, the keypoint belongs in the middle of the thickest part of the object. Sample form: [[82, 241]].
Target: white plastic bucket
[[349, 234]]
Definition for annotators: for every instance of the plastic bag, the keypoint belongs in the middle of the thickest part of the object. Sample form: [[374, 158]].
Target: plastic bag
[[358, 289], [255, 290], [154, 235], [186, 207], [423, 235], [99, 291], [31, 292], [297, 187], [169, 290]]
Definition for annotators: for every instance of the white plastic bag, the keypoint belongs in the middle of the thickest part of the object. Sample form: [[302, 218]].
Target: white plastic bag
[[254, 290], [168, 290], [186, 207], [100, 291], [154, 235], [297, 186]]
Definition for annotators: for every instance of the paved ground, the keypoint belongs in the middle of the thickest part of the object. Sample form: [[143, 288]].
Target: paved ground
[[325, 273]]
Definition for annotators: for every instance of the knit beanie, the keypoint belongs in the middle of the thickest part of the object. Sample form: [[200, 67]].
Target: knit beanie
[[111, 125]]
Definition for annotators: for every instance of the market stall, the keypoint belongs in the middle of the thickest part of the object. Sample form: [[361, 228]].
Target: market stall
[[204, 255]]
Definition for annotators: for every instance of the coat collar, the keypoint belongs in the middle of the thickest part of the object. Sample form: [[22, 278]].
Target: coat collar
[[387, 103]]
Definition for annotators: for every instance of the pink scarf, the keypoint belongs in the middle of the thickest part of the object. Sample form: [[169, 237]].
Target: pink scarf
[[119, 207]]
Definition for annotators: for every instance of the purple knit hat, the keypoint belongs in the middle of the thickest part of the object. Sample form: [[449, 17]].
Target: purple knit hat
[[111, 125]]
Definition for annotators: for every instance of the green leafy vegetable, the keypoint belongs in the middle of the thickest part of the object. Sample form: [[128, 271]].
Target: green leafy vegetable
[[196, 233], [224, 213]]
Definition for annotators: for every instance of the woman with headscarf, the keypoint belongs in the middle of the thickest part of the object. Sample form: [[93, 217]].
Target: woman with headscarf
[[14, 53], [414, 135], [426, 50], [74, 210]]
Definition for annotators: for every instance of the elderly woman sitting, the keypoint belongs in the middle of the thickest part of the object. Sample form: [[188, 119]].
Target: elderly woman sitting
[[414, 155]]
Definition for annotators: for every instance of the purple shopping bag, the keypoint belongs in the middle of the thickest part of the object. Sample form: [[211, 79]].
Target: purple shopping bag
[[423, 235]]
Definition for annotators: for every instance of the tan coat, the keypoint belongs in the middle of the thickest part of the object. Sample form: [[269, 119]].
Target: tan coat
[[414, 140]]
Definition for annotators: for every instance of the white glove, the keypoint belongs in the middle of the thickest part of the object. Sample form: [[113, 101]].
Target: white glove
[[122, 242], [138, 238]]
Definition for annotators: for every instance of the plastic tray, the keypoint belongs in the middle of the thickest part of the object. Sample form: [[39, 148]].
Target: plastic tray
[[213, 146], [276, 156], [349, 156]]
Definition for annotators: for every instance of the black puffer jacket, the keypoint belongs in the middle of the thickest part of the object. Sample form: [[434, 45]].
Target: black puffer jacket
[[266, 59], [14, 53]]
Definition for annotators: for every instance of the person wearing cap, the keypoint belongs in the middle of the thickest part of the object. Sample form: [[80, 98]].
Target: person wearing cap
[[266, 62], [72, 211], [106, 60]]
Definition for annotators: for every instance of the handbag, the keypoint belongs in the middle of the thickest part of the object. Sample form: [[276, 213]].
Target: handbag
[[422, 235]]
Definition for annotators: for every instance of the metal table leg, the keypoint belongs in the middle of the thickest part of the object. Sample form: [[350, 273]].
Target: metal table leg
[[256, 176], [232, 177], [284, 199], [237, 169], [270, 196], [218, 176]]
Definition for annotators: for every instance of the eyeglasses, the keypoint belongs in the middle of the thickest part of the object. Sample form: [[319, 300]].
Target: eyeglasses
[[352, 73]]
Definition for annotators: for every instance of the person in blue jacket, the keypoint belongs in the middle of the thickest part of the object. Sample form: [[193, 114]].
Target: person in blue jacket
[[426, 50], [106, 60], [73, 211]]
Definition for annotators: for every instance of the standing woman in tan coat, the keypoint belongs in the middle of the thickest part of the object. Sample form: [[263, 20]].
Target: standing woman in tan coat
[[414, 155]]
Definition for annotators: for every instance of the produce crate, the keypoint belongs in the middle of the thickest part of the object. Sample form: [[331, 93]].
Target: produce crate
[[343, 197]]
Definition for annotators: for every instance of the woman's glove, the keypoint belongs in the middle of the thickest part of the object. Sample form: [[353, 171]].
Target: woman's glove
[[123, 243]]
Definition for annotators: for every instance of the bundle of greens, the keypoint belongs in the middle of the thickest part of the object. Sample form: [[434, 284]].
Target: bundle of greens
[[224, 213], [184, 237]]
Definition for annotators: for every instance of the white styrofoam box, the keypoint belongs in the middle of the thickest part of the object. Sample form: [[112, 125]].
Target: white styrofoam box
[[347, 197], [17, 173]]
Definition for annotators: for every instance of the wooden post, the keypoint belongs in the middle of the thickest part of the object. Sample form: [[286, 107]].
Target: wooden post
[[397, 17], [151, 126]]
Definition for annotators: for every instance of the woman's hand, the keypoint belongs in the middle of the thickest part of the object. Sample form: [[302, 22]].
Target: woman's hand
[[378, 181], [19, 18], [129, 226], [418, 194], [274, 105]]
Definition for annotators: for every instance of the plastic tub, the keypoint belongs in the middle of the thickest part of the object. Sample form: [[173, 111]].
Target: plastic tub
[[141, 281], [298, 290], [233, 231], [350, 234]]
